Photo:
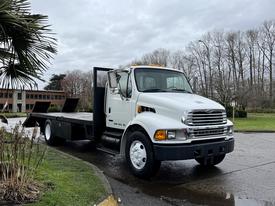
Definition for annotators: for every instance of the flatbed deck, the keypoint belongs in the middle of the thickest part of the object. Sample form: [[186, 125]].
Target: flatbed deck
[[69, 124], [76, 117]]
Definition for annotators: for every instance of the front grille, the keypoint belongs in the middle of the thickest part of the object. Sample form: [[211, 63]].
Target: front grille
[[206, 117], [209, 132]]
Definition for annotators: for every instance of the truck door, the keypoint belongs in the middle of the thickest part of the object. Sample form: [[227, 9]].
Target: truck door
[[119, 102]]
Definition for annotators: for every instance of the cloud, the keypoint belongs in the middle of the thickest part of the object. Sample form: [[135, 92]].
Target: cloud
[[112, 33]]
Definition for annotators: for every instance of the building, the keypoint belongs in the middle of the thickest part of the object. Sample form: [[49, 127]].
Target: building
[[24, 100]]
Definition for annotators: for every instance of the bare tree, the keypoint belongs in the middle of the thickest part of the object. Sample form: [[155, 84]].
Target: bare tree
[[268, 38], [227, 65], [79, 84], [158, 57], [183, 62]]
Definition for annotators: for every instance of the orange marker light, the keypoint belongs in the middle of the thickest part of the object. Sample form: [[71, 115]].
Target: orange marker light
[[160, 135], [139, 109]]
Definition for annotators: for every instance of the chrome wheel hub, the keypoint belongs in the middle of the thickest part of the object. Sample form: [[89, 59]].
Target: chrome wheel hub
[[138, 154]]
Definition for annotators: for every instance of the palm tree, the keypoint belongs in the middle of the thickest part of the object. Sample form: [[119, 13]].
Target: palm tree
[[26, 44]]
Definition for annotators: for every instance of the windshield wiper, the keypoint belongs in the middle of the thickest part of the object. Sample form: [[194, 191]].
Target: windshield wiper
[[154, 90], [180, 90]]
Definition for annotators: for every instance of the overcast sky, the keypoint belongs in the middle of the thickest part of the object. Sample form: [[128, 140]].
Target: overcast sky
[[114, 32]]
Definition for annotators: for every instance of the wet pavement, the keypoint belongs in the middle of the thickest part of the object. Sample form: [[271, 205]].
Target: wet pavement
[[245, 177]]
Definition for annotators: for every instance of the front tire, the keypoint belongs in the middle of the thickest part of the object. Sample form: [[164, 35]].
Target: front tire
[[140, 156], [209, 162]]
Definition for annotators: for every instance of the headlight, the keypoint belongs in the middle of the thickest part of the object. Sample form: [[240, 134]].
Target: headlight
[[182, 119], [171, 134], [230, 130]]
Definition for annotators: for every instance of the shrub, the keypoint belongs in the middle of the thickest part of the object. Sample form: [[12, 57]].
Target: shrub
[[20, 156], [238, 113], [241, 114], [229, 111], [54, 108]]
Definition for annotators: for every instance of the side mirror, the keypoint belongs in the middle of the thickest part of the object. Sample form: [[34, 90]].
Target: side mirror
[[115, 90], [112, 79]]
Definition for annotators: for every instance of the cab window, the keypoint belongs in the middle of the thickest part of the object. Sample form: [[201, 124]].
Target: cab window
[[175, 82]]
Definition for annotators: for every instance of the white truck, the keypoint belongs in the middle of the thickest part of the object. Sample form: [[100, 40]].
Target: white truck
[[148, 114]]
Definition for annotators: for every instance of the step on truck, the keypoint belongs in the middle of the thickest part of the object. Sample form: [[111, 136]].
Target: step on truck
[[148, 114]]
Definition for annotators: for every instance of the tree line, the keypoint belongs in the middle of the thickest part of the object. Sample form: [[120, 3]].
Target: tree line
[[234, 66]]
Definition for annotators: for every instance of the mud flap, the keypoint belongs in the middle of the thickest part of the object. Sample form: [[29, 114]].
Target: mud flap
[[30, 122]]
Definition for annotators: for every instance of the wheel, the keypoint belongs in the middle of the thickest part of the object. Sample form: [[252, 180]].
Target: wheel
[[208, 162], [49, 137], [140, 156]]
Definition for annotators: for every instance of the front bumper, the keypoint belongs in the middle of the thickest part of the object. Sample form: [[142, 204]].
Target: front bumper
[[192, 150]]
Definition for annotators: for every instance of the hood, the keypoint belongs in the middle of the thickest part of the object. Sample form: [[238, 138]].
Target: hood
[[177, 104]]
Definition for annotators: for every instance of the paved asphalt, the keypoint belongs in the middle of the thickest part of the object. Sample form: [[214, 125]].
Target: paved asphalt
[[245, 177]]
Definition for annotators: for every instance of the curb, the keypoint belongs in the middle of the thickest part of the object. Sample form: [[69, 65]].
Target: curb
[[251, 131], [109, 200]]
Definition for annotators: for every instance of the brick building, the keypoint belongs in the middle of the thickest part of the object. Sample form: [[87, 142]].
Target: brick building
[[24, 100]]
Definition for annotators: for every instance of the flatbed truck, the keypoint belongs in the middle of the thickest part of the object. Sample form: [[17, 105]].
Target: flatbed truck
[[148, 114]]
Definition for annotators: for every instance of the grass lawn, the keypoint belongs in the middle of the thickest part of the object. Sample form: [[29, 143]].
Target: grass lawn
[[70, 182], [14, 114], [256, 122]]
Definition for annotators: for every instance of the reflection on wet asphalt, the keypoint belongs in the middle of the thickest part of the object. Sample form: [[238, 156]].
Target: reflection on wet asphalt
[[246, 177]]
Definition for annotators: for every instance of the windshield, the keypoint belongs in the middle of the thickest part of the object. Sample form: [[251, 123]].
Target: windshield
[[161, 80]]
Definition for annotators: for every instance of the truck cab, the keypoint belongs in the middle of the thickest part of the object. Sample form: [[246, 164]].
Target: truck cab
[[160, 118]]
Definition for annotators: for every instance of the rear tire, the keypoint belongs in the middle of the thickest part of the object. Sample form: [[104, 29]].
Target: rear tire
[[209, 162], [49, 137], [140, 156]]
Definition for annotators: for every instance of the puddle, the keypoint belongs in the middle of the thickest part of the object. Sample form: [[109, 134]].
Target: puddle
[[180, 196], [233, 201]]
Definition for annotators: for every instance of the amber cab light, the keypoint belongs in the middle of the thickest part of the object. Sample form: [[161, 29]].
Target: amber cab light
[[160, 135]]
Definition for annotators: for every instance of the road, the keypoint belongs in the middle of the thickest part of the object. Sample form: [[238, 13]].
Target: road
[[245, 177]]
